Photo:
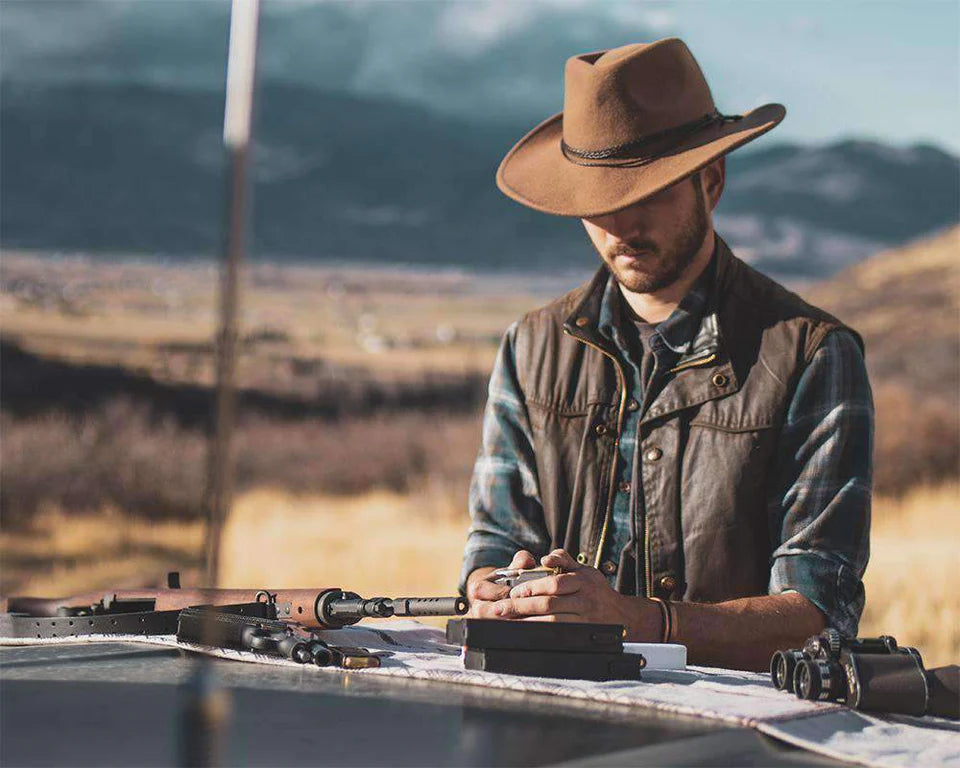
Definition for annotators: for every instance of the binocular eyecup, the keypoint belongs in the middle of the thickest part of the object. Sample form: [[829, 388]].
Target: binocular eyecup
[[782, 667]]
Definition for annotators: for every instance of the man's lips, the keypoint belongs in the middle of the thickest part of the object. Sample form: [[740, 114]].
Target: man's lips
[[633, 255]]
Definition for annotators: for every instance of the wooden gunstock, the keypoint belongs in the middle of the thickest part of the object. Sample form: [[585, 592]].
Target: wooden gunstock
[[302, 601]]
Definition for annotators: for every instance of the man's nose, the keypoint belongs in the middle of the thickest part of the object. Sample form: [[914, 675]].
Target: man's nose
[[622, 225]]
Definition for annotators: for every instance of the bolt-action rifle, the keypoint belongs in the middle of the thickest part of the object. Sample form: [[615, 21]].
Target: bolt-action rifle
[[324, 608]]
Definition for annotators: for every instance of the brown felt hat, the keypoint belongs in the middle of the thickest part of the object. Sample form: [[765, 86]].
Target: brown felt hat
[[635, 120]]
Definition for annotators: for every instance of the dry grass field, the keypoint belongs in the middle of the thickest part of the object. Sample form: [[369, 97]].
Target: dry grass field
[[297, 321], [911, 580]]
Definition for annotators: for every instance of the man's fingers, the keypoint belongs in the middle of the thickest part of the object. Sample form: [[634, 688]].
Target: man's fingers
[[483, 609], [560, 558], [562, 584], [539, 605], [523, 559], [486, 590]]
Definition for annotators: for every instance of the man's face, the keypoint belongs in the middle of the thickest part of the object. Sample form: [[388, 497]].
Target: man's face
[[649, 245]]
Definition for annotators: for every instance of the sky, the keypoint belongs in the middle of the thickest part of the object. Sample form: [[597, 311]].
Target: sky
[[887, 70]]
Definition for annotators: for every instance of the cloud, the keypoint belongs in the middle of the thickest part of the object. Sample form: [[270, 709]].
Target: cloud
[[469, 28], [642, 15], [659, 19]]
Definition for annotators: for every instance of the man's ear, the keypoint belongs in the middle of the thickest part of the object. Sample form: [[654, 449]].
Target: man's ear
[[713, 177]]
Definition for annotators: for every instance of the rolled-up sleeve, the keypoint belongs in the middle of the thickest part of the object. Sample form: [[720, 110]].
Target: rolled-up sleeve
[[505, 510], [820, 501]]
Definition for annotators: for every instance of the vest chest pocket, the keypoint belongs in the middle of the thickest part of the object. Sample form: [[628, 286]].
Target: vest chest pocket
[[725, 475], [724, 483], [571, 445]]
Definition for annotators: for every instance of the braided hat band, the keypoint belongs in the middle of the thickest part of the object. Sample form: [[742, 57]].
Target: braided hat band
[[639, 150]]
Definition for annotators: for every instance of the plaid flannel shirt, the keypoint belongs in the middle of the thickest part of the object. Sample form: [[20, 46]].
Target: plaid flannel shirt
[[819, 498]]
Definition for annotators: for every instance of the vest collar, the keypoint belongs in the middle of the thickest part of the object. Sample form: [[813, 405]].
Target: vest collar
[[584, 322], [595, 313], [707, 370]]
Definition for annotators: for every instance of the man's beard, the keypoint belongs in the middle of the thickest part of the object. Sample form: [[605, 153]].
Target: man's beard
[[655, 268]]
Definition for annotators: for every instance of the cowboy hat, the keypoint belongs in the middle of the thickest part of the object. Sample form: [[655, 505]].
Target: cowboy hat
[[635, 120]]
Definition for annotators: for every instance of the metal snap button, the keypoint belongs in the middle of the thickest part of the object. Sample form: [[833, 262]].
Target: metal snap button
[[609, 568], [582, 321], [625, 486], [668, 583], [653, 454], [600, 429], [582, 558], [719, 380]]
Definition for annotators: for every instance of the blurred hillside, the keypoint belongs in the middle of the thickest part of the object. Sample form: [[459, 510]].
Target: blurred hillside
[[137, 168], [906, 305]]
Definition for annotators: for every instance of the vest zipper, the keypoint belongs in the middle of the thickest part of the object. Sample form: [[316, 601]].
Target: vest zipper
[[693, 363], [616, 444]]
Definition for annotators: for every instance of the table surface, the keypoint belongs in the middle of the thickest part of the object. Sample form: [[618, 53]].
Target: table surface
[[128, 704]]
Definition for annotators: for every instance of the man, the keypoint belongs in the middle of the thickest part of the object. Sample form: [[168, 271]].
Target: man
[[686, 439]]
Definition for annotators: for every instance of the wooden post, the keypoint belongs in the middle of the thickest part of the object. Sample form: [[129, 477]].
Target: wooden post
[[238, 112], [206, 709]]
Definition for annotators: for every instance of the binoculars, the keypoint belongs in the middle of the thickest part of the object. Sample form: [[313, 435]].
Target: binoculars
[[871, 674]]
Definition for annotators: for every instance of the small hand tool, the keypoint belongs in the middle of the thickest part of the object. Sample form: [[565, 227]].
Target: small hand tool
[[510, 577]]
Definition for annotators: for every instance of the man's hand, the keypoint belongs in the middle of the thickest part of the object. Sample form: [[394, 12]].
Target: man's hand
[[738, 634], [580, 594], [482, 593]]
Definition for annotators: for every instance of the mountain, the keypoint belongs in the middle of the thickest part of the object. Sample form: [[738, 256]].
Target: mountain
[[813, 210], [117, 167], [129, 167], [464, 59]]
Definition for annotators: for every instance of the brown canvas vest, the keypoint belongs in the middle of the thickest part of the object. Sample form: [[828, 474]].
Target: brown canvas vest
[[707, 440]]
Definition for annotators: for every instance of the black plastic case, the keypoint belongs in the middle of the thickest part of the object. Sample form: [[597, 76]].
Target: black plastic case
[[567, 666], [533, 635]]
